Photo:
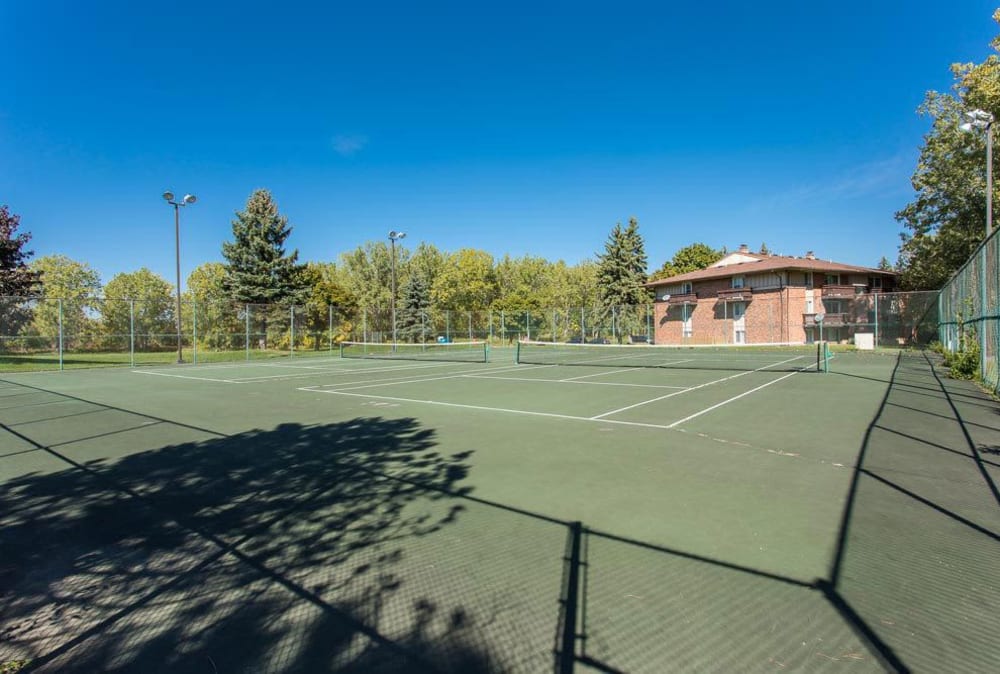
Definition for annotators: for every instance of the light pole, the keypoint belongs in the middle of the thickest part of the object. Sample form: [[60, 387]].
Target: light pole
[[980, 119], [188, 199], [393, 237]]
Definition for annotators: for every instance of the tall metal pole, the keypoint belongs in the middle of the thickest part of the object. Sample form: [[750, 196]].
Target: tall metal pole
[[392, 239], [177, 245]]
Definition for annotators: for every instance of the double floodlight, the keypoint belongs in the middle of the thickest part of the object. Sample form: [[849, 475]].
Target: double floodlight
[[396, 236], [978, 119], [188, 199]]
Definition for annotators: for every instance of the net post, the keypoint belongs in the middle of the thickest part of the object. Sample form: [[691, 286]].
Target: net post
[[486, 352], [517, 353]]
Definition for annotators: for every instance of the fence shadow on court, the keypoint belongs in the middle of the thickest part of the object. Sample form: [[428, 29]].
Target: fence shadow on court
[[269, 550], [920, 534]]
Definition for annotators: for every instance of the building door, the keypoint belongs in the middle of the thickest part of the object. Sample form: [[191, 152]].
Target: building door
[[739, 323]]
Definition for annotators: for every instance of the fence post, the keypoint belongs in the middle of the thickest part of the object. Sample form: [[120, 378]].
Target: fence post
[[649, 324], [982, 311], [194, 330], [291, 331], [553, 325], [876, 319], [491, 325], [470, 326], [583, 326], [329, 326], [60, 334], [527, 323], [447, 325], [246, 330], [364, 325], [614, 322], [503, 326], [131, 333]]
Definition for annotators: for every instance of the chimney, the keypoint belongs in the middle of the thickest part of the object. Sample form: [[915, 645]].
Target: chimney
[[744, 248], [810, 255]]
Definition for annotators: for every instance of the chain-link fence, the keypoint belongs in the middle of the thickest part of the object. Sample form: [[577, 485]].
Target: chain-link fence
[[970, 309], [88, 332]]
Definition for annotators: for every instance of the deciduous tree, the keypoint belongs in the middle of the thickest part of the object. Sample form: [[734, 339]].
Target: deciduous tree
[[142, 301], [945, 222]]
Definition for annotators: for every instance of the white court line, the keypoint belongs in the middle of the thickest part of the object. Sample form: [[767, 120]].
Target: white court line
[[264, 377], [484, 408], [736, 397], [570, 381], [184, 376], [454, 375], [692, 388], [599, 374]]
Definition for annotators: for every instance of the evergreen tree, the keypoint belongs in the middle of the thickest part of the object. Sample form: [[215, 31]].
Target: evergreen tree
[[258, 271], [764, 250], [412, 309], [621, 270]]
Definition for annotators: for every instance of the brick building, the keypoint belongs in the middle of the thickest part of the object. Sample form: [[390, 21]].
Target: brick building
[[756, 298]]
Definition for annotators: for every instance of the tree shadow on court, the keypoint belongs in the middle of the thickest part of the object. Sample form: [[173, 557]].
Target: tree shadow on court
[[281, 550]]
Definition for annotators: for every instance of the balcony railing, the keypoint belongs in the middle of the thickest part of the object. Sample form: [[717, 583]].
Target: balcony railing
[[735, 295], [841, 292], [683, 298], [829, 320]]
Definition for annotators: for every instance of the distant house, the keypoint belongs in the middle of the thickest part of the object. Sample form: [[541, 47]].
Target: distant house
[[754, 298]]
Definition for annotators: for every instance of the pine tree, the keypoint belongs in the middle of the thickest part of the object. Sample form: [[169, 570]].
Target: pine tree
[[621, 270], [258, 271], [412, 309], [764, 250]]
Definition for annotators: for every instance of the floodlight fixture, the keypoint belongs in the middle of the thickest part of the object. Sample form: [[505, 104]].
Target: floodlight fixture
[[190, 198], [169, 196]]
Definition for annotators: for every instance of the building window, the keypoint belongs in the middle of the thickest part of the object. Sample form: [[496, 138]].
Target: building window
[[686, 288], [809, 279], [740, 336], [832, 280], [737, 281], [875, 281], [686, 331]]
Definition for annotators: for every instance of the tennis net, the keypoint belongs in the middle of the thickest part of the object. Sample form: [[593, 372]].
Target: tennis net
[[466, 352], [780, 357]]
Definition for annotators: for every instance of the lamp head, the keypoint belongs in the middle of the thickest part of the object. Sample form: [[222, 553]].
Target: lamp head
[[169, 196], [190, 198]]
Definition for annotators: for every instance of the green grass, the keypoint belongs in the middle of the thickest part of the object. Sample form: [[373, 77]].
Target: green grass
[[10, 362]]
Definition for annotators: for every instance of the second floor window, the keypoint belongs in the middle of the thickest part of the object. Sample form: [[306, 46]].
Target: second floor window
[[686, 289], [737, 281], [832, 280]]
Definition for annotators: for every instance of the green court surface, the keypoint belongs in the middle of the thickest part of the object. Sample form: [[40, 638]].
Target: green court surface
[[355, 515]]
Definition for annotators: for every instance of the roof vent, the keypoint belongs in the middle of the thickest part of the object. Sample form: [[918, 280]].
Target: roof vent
[[810, 255], [744, 248]]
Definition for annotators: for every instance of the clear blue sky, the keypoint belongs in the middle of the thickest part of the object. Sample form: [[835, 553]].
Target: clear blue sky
[[512, 127]]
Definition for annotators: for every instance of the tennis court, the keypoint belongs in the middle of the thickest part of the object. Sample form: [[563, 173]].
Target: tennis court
[[590, 509]]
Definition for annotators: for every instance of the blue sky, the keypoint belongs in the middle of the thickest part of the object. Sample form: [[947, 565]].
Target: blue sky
[[521, 128]]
